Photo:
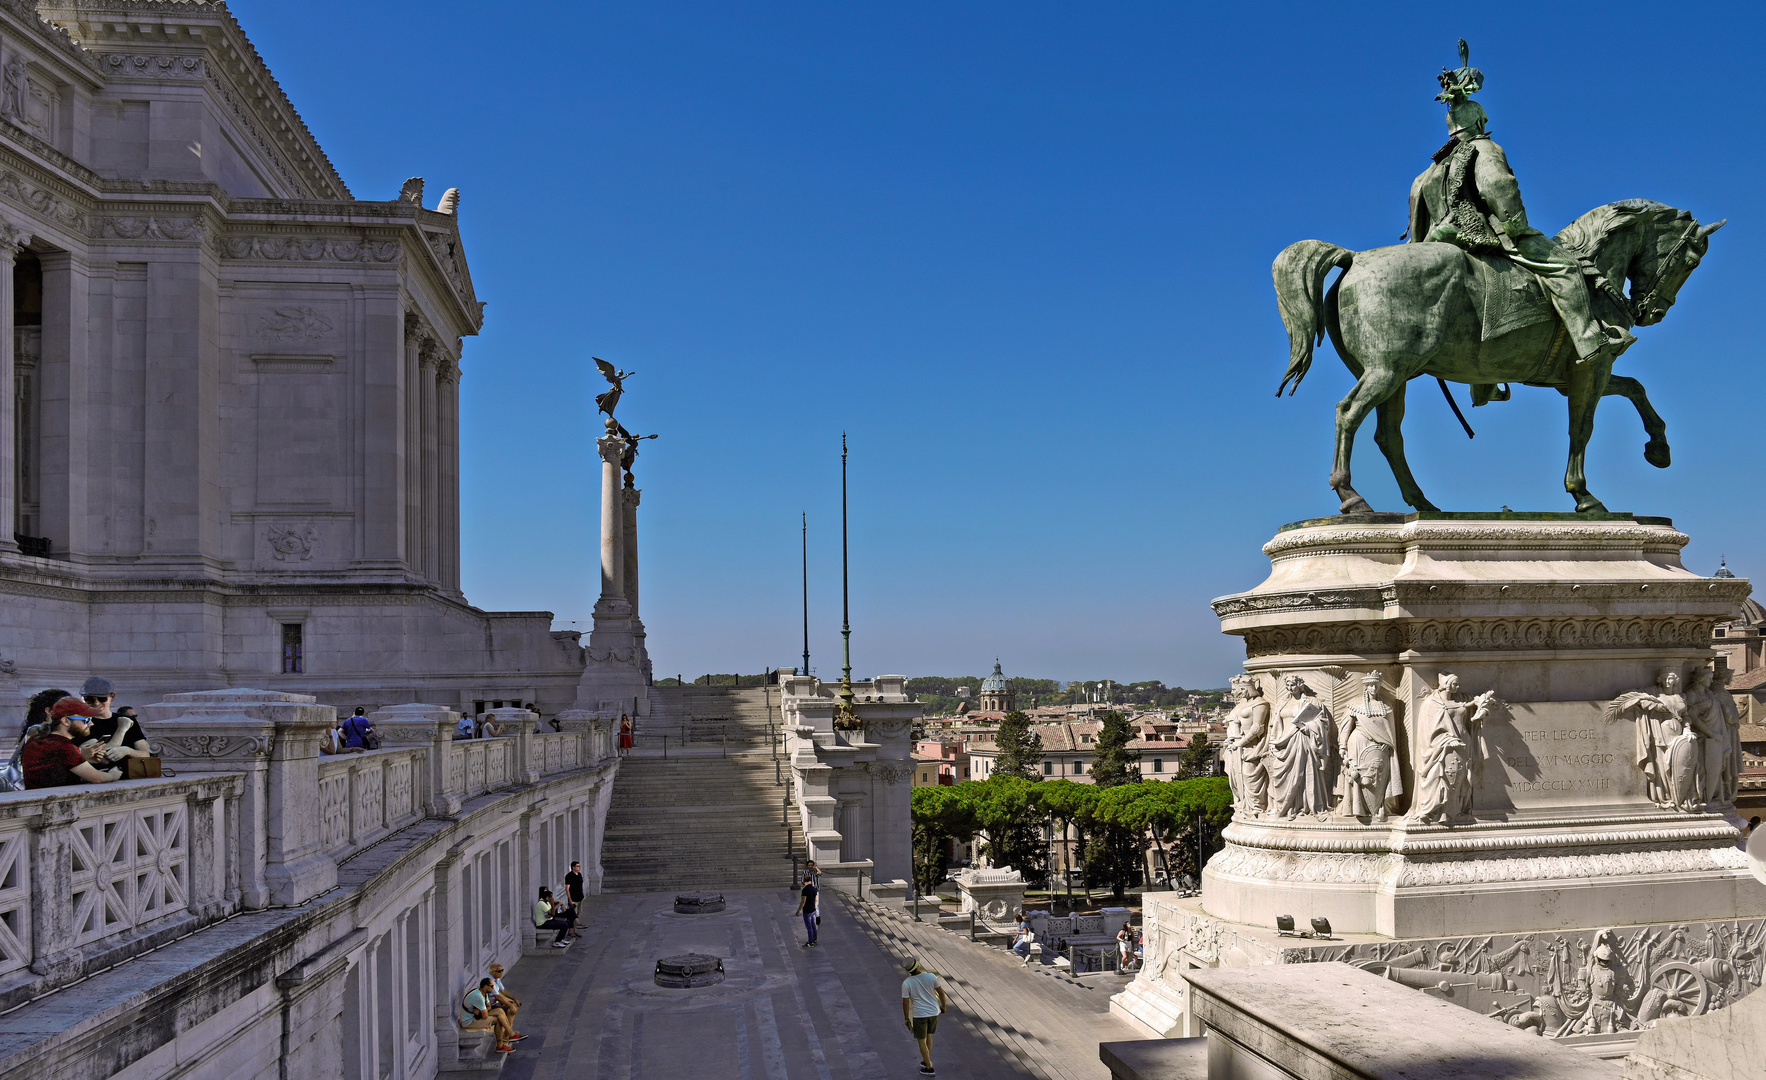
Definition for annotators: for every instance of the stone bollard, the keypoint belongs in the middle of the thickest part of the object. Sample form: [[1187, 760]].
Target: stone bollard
[[273, 738], [431, 726]]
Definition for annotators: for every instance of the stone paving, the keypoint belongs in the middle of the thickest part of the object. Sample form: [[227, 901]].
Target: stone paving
[[785, 1012]]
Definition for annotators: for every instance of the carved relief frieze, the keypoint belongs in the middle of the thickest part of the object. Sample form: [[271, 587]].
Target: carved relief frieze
[[42, 200], [1590, 982], [1436, 635], [309, 249], [150, 227], [293, 322], [889, 729], [216, 746]]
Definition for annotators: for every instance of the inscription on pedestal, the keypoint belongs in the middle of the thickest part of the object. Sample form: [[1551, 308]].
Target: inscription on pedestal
[[1552, 754]]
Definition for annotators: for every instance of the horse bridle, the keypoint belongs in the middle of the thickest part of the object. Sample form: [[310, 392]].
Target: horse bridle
[[1633, 308]]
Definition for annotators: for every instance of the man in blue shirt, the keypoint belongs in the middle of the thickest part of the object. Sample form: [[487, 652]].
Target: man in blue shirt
[[357, 730]]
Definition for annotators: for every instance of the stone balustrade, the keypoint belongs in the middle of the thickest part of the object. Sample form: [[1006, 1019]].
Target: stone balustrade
[[254, 822], [110, 870], [363, 797]]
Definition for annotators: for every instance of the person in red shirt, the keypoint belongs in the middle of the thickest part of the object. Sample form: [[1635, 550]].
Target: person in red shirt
[[53, 759]]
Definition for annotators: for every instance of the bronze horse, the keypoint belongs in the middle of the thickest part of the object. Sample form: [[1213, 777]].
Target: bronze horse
[[1433, 309]]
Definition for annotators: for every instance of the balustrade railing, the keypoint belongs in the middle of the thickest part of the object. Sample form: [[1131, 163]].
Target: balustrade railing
[[363, 797], [93, 870]]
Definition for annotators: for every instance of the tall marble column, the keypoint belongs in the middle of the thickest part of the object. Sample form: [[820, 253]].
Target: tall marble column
[[430, 362], [629, 545], [413, 440], [11, 239], [450, 477], [613, 601]]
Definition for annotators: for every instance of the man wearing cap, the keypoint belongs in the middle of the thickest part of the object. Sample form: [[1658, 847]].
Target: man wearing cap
[[922, 1000], [99, 695], [53, 759]]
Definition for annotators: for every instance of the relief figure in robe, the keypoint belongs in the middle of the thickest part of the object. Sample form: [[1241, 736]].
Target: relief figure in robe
[[1247, 732], [1369, 781], [1448, 730], [1717, 722], [1666, 748], [1302, 753]]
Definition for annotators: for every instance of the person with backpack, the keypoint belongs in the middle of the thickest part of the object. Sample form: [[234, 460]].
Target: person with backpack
[[358, 731]]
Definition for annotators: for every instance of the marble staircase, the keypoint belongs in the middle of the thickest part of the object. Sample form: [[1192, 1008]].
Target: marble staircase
[[697, 821], [706, 715]]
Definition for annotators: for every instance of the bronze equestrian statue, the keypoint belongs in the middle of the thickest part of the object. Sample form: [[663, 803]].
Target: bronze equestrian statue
[[1479, 296]]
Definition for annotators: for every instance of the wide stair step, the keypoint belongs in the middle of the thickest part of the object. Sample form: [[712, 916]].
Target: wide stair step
[[697, 822]]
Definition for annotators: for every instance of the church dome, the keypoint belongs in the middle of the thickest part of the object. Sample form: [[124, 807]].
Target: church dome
[[995, 683], [1723, 569]]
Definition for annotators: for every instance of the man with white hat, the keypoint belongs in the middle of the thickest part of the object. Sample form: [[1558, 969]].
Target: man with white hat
[[922, 1000]]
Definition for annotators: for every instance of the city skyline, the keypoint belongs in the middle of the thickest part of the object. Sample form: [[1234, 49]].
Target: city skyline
[[1021, 255]]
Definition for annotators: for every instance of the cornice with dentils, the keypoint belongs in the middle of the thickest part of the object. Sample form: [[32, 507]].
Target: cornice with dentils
[[101, 25]]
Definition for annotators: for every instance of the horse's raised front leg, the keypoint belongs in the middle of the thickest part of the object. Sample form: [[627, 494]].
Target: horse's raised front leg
[[1588, 382], [1371, 390], [1655, 451], [1389, 434]]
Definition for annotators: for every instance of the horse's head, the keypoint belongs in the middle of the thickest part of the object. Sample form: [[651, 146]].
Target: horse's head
[[1667, 256]]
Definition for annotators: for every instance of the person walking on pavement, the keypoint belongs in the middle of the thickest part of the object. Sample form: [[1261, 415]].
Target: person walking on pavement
[[806, 907], [922, 1001]]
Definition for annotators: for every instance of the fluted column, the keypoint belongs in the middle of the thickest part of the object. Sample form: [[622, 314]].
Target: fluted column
[[450, 480], [429, 362], [11, 239], [612, 601], [413, 440]]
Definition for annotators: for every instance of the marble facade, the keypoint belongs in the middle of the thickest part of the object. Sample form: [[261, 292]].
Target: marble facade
[[229, 389]]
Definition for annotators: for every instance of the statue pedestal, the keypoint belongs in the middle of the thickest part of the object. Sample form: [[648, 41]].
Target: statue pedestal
[[995, 895], [1554, 828]]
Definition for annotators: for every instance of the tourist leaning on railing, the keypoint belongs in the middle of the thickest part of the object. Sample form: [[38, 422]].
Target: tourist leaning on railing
[[53, 758], [113, 736]]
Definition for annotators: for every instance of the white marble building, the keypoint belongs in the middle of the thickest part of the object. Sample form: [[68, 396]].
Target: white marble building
[[229, 389]]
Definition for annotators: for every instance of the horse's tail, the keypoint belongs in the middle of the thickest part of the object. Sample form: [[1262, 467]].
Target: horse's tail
[[1299, 288]]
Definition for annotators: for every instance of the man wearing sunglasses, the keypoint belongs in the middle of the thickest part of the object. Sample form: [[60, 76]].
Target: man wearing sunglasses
[[99, 695], [53, 759]]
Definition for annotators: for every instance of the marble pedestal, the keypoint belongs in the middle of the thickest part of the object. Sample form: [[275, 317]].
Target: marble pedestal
[[1556, 616], [994, 894]]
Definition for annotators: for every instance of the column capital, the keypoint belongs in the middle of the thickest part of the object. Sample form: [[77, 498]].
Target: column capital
[[429, 352], [632, 496], [612, 449], [12, 238], [416, 333]]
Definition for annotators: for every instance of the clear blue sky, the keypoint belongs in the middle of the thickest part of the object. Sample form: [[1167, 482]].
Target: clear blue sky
[[1021, 253]]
